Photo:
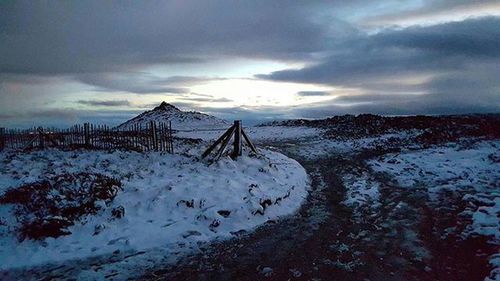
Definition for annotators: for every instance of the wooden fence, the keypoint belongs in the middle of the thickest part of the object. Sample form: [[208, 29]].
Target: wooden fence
[[153, 136]]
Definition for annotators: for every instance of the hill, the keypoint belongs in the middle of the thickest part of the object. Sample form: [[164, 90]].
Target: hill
[[180, 119]]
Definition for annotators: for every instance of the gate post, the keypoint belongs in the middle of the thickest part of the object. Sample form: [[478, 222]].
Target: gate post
[[237, 139]]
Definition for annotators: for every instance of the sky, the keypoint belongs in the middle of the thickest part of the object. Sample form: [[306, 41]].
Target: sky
[[67, 62]]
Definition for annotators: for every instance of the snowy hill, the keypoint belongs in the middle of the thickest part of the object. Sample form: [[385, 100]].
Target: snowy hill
[[180, 119]]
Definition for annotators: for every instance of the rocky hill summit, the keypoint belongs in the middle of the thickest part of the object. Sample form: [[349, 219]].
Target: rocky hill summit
[[180, 119]]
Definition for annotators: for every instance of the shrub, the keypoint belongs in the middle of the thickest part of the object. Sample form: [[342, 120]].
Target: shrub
[[46, 208]]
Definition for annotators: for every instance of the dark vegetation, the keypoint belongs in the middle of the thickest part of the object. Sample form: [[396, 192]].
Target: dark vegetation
[[47, 208], [434, 129]]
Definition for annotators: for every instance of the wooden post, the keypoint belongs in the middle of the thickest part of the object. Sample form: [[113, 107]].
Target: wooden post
[[219, 140], [86, 133], [237, 139], [170, 137], [40, 137], [2, 138], [154, 139], [225, 142], [247, 139], [239, 136]]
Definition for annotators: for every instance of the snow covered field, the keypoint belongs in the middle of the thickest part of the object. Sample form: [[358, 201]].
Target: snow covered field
[[171, 201], [257, 134], [392, 181], [471, 172]]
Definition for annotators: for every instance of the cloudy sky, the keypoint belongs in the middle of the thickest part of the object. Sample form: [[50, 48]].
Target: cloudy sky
[[63, 62]]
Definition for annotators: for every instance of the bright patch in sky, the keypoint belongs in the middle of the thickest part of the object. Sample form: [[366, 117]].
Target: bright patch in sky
[[227, 68], [251, 92]]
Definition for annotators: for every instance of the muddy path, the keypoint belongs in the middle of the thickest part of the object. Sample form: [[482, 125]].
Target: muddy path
[[399, 239]]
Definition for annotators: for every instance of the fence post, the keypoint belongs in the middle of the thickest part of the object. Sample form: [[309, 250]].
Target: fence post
[[237, 139], [2, 138], [86, 134], [40, 137], [171, 137], [154, 137]]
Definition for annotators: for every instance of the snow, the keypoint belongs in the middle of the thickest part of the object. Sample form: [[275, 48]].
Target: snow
[[184, 120], [175, 202], [171, 201], [495, 273], [256, 134], [471, 170], [452, 167], [321, 147], [361, 190]]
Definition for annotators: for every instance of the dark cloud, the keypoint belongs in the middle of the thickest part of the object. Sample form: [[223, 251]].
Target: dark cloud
[[111, 45], [92, 36], [476, 38], [432, 8], [402, 105], [139, 83], [461, 57], [65, 117], [444, 47], [108, 103], [313, 93]]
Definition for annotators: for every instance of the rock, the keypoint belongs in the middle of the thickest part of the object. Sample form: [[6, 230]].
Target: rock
[[99, 228], [190, 233], [224, 213], [118, 212], [266, 271], [238, 233], [295, 272], [215, 223]]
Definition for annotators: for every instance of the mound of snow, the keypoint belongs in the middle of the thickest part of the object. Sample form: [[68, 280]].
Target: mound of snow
[[186, 120], [170, 202]]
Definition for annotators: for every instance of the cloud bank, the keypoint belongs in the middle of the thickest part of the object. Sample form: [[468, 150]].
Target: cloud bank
[[390, 57]]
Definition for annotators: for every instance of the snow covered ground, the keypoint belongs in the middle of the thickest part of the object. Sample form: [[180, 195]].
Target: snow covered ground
[[361, 190], [257, 134], [471, 171], [321, 147], [170, 201], [474, 170], [174, 203]]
